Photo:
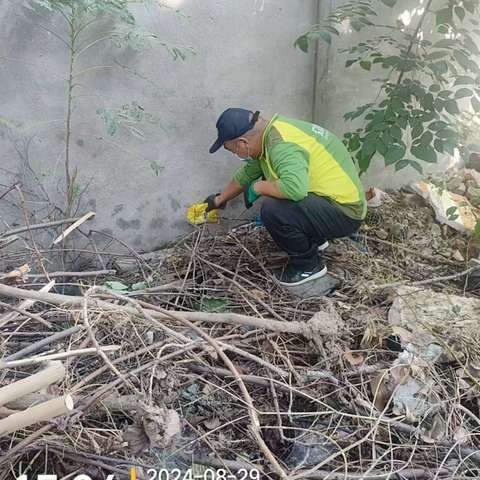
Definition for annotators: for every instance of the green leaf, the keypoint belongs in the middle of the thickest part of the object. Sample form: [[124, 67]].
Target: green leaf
[[139, 286], [451, 107], [213, 305], [363, 161], [356, 25], [402, 122], [369, 146], [396, 132], [426, 138], [462, 59], [302, 43], [396, 105], [366, 65], [476, 231], [156, 167], [446, 133], [438, 144], [381, 147], [325, 36], [389, 3], [416, 166], [350, 62], [440, 67], [449, 146], [395, 153], [464, 80], [401, 164], [116, 286], [462, 93], [439, 104], [436, 55], [460, 12], [424, 152], [437, 125], [444, 16], [475, 104], [446, 43], [417, 130], [354, 143]]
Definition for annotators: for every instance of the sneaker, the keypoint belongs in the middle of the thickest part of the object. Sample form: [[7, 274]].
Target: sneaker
[[323, 246], [292, 276]]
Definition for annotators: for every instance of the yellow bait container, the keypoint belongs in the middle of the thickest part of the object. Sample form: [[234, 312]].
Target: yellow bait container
[[197, 214]]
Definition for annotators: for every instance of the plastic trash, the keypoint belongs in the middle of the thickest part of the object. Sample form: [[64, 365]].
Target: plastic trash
[[450, 208]]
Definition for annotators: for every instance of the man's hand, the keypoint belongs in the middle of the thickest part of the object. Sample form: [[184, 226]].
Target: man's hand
[[250, 196], [212, 201]]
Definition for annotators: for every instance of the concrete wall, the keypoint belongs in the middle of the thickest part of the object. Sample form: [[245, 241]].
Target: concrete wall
[[244, 57]]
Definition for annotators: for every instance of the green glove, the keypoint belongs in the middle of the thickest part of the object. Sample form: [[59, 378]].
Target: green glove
[[250, 196]]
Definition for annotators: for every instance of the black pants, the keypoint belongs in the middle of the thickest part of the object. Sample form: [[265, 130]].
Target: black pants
[[298, 228]]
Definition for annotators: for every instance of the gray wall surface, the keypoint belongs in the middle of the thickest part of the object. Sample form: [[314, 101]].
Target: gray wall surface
[[244, 57]]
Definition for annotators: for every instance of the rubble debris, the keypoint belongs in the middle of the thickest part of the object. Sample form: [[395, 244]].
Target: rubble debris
[[376, 197], [423, 318], [184, 344], [152, 427]]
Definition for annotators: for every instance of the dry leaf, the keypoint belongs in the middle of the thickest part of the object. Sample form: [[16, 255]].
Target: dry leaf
[[259, 294], [380, 390], [436, 432], [353, 358], [461, 436], [136, 438], [19, 274], [212, 423], [153, 426]]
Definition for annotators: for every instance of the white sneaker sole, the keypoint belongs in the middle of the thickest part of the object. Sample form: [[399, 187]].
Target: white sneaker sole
[[323, 246], [316, 276]]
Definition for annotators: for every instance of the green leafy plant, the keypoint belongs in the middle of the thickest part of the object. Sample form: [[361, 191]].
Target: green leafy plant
[[130, 116], [80, 16], [429, 76]]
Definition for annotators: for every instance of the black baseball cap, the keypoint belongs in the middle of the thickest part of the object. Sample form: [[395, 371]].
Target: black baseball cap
[[233, 123]]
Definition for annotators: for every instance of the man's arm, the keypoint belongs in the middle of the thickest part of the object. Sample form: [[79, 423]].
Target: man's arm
[[290, 162], [232, 190], [270, 189]]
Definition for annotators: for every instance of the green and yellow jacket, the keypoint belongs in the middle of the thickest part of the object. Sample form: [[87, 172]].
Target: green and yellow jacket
[[306, 158]]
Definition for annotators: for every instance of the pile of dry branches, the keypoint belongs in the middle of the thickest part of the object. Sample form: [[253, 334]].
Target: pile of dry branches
[[196, 358]]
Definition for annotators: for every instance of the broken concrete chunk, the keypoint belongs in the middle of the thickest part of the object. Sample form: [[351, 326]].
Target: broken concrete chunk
[[326, 322], [427, 321]]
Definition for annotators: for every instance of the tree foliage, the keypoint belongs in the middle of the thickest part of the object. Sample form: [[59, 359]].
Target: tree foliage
[[430, 76]]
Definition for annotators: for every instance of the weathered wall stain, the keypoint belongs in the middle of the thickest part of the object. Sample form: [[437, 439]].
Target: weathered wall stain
[[157, 223], [174, 203], [128, 224], [117, 209]]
